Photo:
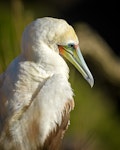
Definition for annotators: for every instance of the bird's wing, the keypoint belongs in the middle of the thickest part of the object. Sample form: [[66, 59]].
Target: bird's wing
[[14, 97], [6, 85], [58, 133], [17, 112], [14, 105]]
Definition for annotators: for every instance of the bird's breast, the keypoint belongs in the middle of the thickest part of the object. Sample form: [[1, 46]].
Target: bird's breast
[[52, 99], [46, 116]]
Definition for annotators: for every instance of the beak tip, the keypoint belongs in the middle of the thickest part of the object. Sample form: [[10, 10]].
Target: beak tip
[[92, 84], [90, 81]]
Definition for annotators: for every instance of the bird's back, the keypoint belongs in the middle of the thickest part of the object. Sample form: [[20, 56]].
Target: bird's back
[[34, 110]]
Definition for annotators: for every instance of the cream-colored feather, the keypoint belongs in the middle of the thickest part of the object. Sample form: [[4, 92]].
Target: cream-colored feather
[[35, 89]]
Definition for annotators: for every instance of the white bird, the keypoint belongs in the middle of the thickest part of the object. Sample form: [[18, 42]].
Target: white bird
[[35, 95]]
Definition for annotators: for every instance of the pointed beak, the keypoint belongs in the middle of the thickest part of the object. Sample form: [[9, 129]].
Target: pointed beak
[[76, 58]]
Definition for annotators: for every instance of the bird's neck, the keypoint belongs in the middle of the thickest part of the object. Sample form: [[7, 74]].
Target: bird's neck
[[54, 64], [47, 58], [57, 68]]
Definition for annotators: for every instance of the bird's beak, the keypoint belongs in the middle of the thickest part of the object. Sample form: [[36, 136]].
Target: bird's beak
[[75, 57]]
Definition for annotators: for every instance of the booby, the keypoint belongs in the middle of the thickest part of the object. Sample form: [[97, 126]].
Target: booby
[[36, 97]]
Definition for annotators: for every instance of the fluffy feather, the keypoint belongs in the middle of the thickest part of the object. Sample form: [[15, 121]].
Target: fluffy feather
[[35, 95]]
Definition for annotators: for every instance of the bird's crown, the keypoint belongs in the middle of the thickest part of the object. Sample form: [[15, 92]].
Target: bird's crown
[[50, 30]]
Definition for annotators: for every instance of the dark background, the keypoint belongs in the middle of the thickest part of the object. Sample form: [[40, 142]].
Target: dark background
[[102, 15]]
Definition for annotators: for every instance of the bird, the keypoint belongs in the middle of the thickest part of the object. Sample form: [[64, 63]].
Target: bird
[[36, 97]]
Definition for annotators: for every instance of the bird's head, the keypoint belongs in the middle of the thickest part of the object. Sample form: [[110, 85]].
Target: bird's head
[[56, 35]]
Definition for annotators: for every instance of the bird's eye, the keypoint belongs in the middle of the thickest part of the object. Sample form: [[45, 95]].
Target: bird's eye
[[71, 45]]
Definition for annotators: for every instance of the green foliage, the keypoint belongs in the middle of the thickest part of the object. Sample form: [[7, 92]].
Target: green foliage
[[12, 23]]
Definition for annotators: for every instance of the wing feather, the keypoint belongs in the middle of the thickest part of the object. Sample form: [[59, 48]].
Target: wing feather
[[54, 139]]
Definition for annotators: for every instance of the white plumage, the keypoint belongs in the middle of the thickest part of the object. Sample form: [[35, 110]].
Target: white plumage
[[35, 93]]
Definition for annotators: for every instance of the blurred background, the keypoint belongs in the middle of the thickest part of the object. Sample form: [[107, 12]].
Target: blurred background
[[95, 121]]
